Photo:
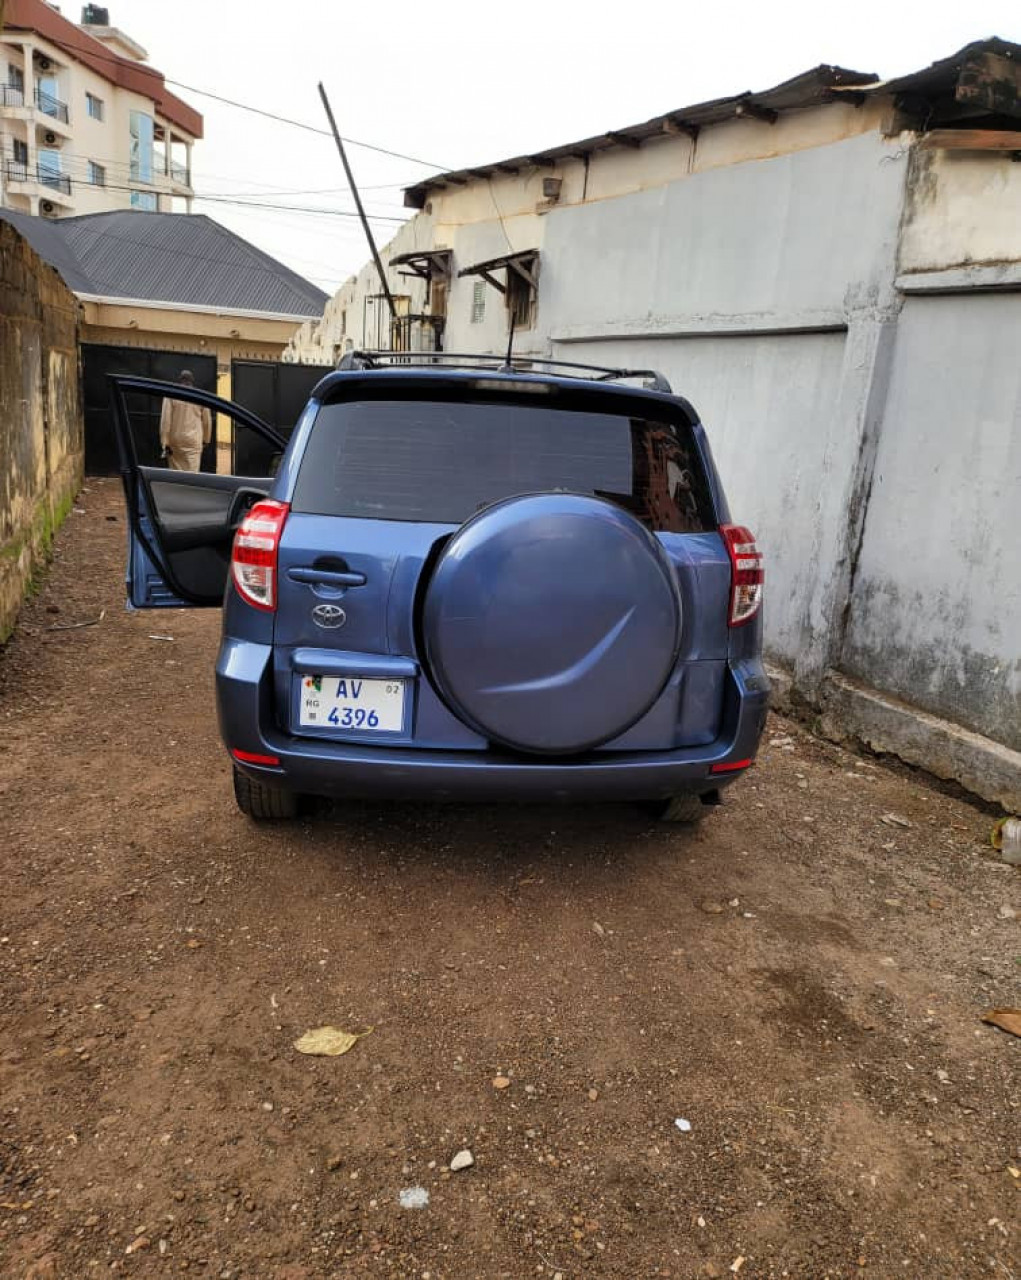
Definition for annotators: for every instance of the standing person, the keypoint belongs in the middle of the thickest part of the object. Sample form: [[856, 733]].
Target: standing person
[[184, 429]]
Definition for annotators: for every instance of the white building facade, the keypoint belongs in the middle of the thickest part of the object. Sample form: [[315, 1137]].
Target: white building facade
[[831, 273], [85, 125]]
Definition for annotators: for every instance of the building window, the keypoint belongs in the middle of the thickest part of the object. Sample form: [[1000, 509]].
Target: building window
[[141, 127], [520, 298], [94, 106], [20, 152], [144, 200], [97, 174], [15, 77], [13, 94], [479, 302]]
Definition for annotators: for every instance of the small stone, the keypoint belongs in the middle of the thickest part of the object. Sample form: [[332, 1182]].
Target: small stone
[[683, 1125], [530, 1089], [501, 1082], [711, 908], [1007, 913], [179, 1196], [413, 1198], [249, 1205], [138, 1244], [92, 1220], [334, 1163], [463, 1160], [267, 1106], [700, 1220], [593, 1095], [895, 820], [892, 902]]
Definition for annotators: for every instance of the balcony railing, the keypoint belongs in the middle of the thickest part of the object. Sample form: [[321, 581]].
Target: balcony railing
[[51, 106], [179, 173], [56, 181], [18, 171], [11, 96]]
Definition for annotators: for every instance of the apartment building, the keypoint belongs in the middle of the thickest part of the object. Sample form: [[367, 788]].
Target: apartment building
[[86, 125]]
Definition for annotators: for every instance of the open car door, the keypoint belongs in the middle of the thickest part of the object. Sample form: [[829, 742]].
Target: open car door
[[181, 523]]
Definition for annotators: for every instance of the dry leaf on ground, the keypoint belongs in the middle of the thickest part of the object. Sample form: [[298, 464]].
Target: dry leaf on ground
[[329, 1042], [1005, 1019]]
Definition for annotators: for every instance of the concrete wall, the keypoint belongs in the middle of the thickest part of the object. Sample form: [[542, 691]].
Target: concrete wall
[[41, 441], [935, 610]]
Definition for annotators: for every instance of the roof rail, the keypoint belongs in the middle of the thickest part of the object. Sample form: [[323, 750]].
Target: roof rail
[[653, 379]]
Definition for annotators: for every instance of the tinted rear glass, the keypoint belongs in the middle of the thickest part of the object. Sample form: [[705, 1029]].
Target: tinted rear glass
[[441, 462]]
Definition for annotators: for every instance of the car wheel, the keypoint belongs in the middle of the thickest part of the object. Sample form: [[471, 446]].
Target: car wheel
[[686, 809], [262, 802]]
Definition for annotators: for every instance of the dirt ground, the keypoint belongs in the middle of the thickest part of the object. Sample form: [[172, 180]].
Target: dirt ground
[[801, 980]]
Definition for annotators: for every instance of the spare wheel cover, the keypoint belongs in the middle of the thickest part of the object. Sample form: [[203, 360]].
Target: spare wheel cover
[[552, 622]]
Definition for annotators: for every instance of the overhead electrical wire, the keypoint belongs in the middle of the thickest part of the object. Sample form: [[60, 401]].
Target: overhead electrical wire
[[76, 54]]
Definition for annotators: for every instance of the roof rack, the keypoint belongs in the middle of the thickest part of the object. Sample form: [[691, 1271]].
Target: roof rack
[[653, 379]]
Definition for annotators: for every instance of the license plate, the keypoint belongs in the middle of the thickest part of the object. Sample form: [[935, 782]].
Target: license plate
[[343, 702]]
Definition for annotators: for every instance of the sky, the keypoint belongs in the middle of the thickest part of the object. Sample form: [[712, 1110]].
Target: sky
[[463, 82]]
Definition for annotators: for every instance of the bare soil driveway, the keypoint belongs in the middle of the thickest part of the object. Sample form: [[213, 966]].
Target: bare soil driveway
[[801, 981]]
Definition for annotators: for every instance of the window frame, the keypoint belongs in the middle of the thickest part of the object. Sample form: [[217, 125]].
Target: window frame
[[96, 174], [91, 102], [478, 307]]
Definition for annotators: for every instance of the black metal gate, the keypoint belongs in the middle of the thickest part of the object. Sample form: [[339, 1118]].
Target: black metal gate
[[99, 361], [277, 393]]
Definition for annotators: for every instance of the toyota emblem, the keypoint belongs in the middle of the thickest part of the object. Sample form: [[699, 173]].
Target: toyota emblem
[[329, 615]]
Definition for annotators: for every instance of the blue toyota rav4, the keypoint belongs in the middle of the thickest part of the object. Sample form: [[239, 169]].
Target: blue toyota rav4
[[463, 580]]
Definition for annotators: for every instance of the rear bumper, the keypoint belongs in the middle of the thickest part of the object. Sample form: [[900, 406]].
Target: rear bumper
[[247, 722]]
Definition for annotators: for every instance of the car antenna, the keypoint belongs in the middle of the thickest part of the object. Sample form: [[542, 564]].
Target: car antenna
[[508, 365], [358, 205]]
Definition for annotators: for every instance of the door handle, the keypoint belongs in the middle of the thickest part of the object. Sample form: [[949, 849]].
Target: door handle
[[327, 577]]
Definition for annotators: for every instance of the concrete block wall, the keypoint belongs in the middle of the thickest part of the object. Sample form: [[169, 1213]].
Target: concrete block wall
[[41, 436]]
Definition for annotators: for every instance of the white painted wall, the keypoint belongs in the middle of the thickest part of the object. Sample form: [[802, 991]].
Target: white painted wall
[[936, 604]]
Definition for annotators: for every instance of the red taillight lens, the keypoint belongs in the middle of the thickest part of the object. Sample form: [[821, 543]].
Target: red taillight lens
[[746, 573], [253, 561], [253, 757]]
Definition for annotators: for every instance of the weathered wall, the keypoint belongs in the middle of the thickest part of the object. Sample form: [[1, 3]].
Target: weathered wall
[[935, 609], [41, 444]]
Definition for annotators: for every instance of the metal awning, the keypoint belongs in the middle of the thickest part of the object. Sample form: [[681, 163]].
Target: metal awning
[[524, 263], [428, 264]]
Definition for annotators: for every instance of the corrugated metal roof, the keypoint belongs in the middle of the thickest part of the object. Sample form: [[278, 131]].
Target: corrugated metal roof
[[820, 85], [181, 258]]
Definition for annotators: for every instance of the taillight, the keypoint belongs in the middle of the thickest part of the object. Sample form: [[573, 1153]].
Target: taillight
[[746, 573], [253, 561]]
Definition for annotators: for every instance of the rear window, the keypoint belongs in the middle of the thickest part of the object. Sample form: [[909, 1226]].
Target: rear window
[[441, 462]]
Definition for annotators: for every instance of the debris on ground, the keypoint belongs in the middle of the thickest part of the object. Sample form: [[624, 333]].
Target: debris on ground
[[1006, 1019], [895, 820], [77, 626], [463, 1160], [683, 1125], [501, 1082], [413, 1198], [329, 1042], [1005, 838]]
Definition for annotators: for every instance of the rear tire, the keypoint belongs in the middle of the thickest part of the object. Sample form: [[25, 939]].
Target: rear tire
[[262, 802], [687, 810]]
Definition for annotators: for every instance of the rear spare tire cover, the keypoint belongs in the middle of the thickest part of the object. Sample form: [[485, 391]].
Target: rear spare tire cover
[[552, 622]]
